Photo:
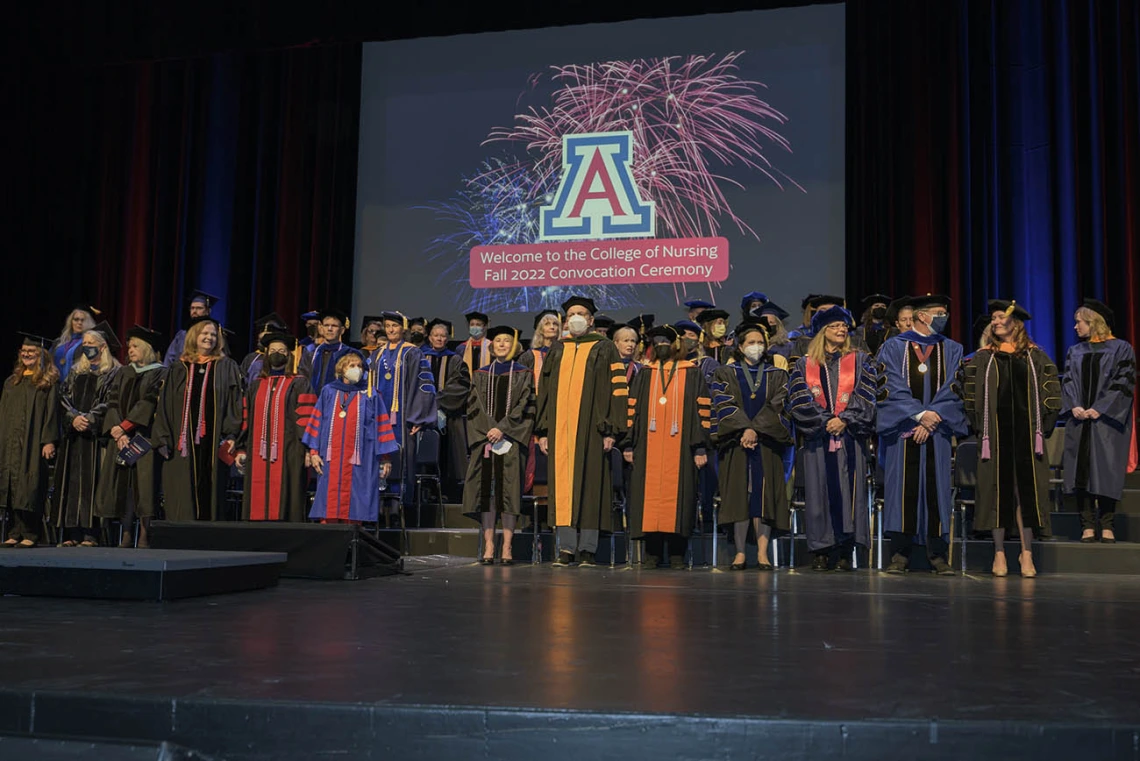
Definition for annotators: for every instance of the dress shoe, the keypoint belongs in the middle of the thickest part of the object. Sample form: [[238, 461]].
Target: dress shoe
[[1088, 536], [677, 562], [586, 560], [940, 567], [507, 561], [650, 562], [1107, 536], [819, 563], [1028, 570], [565, 559], [898, 564], [486, 561], [1000, 568], [739, 566], [765, 567], [843, 564]]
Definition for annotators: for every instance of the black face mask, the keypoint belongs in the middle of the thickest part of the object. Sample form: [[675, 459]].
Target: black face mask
[[91, 352], [662, 351], [878, 313], [416, 337], [277, 361], [314, 331]]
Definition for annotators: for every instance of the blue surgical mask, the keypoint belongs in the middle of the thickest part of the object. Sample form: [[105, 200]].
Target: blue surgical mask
[[938, 323], [476, 331]]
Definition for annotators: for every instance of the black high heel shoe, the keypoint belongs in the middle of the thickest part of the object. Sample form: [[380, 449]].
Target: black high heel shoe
[[486, 561]]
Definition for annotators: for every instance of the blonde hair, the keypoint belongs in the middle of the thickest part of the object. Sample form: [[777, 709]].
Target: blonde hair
[[88, 323], [343, 362], [778, 336], [149, 355], [818, 354], [1098, 328], [539, 341], [44, 376], [190, 347], [106, 361]]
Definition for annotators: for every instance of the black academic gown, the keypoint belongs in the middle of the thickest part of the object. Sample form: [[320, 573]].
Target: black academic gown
[[752, 482], [194, 479], [29, 420], [582, 399], [452, 384], [501, 396], [81, 454], [1012, 402], [131, 404]]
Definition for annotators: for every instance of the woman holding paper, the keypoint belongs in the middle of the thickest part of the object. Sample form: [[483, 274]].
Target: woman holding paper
[[500, 417], [129, 484]]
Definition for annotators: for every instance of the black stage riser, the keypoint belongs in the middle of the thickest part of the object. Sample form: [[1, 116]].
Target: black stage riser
[[315, 551], [267, 731], [35, 749], [104, 584]]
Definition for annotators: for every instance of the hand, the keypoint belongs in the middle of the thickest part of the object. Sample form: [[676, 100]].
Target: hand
[[835, 426], [749, 439], [544, 445], [123, 441], [628, 456], [317, 463], [308, 460], [80, 423], [164, 452], [494, 435], [385, 470], [701, 460], [240, 462], [1092, 415], [608, 443], [48, 451], [1080, 413], [921, 434], [415, 429], [930, 420], [116, 432]]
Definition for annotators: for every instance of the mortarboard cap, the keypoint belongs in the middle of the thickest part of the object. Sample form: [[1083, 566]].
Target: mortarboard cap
[[477, 316], [30, 339], [669, 332], [807, 300], [579, 301], [698, 304], [104, 329], [538, 317], [391, 315], [1100, 308], [751, 296], [682, 325], [502, 330], [445, 323], [927, 301], [825, 317], [749, 326], [201, 297], [335, 314], [643, 323], [603, 321], [876, 298], [289, 340], [711, 314], [820, 299], [772, 308], [151, 337], [271, 320], [1010, 307], [312, 314], [421, 321]]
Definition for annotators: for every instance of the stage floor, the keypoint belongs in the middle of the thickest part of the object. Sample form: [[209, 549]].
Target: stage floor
[[803, 646]]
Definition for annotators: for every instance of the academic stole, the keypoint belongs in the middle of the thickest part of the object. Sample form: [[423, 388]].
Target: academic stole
[[812, 372]]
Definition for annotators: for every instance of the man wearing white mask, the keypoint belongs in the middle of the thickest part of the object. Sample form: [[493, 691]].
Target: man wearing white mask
[[582, 410], [476, 350]]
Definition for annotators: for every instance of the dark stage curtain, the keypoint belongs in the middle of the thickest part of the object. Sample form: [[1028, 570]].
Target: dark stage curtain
[[130, 185], [994, 150]]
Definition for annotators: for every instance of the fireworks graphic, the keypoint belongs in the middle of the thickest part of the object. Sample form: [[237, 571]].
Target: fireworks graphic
[[692, 118], [499, 206]]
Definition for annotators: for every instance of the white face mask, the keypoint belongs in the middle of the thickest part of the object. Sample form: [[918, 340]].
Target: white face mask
[[352, 375], [753, 352], [476, 331], [577, 324]]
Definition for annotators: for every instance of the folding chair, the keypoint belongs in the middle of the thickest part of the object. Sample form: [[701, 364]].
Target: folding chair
[[428, 471], [965, 483]]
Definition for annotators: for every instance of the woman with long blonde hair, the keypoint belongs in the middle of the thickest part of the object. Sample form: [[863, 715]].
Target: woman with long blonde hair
[[1012, 398], [83, 404], [198, 419], [29, 431], [1096, 401], [67, 349], [831, 397]]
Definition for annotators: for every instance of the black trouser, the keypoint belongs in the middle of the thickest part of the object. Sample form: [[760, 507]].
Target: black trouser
[[26, 524], [902, 544], [655, 544], [841, 549], [1106, 507]]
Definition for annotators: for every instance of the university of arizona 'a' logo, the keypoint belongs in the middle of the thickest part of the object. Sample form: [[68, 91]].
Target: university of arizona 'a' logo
[[597, 197]]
